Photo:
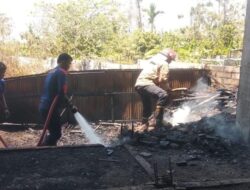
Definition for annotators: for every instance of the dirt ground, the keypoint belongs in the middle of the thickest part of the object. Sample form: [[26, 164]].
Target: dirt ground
[[27, 135], [207, 149], [82, 167], [185, 151]]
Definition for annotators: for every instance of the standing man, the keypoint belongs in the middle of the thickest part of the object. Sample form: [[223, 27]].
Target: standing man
[[154, 74], [3, 103], [55, 86]]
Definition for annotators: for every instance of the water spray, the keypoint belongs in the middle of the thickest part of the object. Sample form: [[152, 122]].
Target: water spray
[[205, 101], [181, 114], [85, 126]]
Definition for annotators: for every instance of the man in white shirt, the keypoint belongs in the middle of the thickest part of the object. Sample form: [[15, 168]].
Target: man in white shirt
[[148, 83]]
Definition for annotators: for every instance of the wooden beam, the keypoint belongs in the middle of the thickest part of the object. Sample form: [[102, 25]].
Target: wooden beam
[[142, 162], [214, 183]]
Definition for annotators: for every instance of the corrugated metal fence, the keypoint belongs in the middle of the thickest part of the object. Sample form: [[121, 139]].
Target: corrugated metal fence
[[99, 95]]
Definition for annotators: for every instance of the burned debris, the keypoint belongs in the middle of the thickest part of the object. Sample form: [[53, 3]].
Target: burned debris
[[192, 148]]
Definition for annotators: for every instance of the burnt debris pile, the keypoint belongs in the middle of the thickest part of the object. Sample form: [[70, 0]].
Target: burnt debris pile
[[213, 133]]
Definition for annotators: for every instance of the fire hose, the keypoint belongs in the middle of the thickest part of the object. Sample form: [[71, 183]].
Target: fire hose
[[51, 109]]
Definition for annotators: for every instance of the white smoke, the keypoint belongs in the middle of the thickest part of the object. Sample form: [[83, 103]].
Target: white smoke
[[224, 127], [200, 86], [181, 115], [194, 110], [207, 109]]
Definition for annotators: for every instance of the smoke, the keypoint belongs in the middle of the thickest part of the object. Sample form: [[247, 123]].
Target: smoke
[[204, 109], [119, 142], [244, 132], [194, 110], [181, 115], [202, 85], [191, 111], [224, 127]]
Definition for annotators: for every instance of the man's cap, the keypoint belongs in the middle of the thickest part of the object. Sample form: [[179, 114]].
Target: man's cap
[[168, 52]]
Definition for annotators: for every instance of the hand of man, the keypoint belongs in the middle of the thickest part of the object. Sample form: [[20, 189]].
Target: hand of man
[[74, 109], [156, 81], [68, 100]]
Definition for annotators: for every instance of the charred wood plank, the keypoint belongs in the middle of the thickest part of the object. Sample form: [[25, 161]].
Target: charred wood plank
[[143, 163], [214, 183], [139, 187], [38, 148], [109, 160], [190, 98]]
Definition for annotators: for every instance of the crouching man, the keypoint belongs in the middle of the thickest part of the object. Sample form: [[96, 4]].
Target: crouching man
[[154, 73]]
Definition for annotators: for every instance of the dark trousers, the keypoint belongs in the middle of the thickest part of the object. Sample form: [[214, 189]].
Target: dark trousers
[[54, 127], [147, 93]]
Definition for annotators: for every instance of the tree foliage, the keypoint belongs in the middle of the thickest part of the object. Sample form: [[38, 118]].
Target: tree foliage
[[79, 27], [211, 33], [152, 14], [99, 29]]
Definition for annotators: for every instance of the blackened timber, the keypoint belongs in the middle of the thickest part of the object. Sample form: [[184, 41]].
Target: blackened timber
[[145, 165], [214, 183]]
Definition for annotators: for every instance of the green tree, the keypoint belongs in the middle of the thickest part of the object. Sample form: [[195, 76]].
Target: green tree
[[215, 32], [99, 29], [79, 27], [145, 42], [35, 45], [152, 14]]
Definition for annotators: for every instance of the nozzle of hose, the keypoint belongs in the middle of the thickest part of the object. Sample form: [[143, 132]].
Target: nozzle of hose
[[74, 109]]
